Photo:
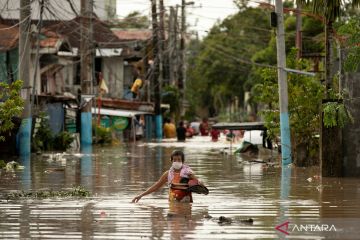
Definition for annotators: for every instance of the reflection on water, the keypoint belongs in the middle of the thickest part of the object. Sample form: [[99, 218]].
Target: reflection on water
[[238, 190]]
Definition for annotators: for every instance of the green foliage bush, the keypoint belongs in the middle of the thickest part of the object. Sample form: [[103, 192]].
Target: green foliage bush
[[62, 141], [11, 105], [306, 94], [44, 139], [103, 134]]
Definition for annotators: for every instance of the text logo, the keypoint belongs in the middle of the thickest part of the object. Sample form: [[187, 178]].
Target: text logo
[[284, 227]]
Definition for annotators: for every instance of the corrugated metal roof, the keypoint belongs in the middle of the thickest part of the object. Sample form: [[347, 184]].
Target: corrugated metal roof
[[9, 36], [133, 34], [103, 36]]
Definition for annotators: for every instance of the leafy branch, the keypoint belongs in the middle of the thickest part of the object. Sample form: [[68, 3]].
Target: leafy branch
[[11, 105]]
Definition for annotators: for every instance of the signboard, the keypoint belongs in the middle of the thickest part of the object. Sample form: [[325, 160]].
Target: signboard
[[120, 123]]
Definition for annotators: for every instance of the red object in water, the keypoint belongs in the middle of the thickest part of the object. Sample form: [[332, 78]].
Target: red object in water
[[102, 214], [215, 134]]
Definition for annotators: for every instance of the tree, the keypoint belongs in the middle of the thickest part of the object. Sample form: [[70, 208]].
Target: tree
[[220, 67], [132, 20], [350, 32], [331, 137], [331, 11], [306, 94]]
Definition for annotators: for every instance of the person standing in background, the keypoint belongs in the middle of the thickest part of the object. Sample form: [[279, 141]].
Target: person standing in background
[[169, 129], [215, 134], [181, 132], [137, 84], [204, 127]]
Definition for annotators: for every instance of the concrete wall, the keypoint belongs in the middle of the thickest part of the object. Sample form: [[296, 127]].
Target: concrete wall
[[351, 133]]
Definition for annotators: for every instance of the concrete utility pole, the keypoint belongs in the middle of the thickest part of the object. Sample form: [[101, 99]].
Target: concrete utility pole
[[298, 42], [156, 83], [283, 89], [37, 55], [161, 42], [173, 45], [24, 75], [86, 61], [182, 68]]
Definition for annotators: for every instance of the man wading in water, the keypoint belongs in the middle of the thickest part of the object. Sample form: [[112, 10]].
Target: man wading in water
[[179, 177]]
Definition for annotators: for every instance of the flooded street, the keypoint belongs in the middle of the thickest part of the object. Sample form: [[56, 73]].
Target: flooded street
[[290, 198]]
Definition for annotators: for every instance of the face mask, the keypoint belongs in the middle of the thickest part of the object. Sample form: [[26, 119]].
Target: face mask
[[177, 165]]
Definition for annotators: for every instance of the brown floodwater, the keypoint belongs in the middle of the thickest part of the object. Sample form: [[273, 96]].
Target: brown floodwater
[[307, 206]]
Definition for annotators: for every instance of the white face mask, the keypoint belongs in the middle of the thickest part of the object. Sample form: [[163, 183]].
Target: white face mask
[[177, 165]]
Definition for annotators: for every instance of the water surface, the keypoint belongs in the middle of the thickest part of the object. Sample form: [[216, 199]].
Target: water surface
[[239, 190]]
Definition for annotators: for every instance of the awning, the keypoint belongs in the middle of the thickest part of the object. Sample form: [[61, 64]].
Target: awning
[[240, 126], [118, 112], [100, 52]]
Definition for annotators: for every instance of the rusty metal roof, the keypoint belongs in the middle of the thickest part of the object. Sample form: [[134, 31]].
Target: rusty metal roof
[[133, 34], [71, 29], [9, 36]]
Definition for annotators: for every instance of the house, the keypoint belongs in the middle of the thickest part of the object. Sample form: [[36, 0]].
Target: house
[[58, 75], [8, 53], [138, 42]]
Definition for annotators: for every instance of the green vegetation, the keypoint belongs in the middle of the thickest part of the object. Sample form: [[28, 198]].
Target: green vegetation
[[239, 56], [219, 70], [77, 191], [132, 20], [102, 134], [231, 59], [350, 32], [171, 96], [335, 114], [10, 166], [304, 105], [11, 105], [2, 164], [44, 139]]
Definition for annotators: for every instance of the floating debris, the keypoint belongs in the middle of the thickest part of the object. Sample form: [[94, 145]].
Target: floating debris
[[75, 192], [11, 166], [227, 221], [224, 220]]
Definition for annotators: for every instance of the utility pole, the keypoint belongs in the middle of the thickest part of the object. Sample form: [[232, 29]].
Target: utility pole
[[24, 75], [86, 63], [157, 96], [181, 82], [298, 42], [283, 89], [182, 70], [161, 42], [37, 58], [173, 56]]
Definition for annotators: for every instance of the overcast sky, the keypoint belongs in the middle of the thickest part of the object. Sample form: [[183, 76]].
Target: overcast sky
[[201, 16]]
